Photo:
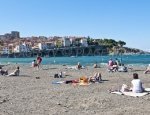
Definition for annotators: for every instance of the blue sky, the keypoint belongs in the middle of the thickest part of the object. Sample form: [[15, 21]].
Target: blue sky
[[127, 20]]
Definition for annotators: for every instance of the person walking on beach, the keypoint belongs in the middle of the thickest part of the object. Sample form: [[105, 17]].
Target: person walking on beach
[[38, 60], [96, 78]]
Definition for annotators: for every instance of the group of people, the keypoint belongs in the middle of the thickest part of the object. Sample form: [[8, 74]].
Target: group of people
[[16, 72], [79, 66], [136, 84], [115, 65], [37, 62]]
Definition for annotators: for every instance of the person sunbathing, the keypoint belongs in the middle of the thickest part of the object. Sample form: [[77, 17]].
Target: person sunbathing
[[147, 70], [15, 73], [96, 78], [82, 81]]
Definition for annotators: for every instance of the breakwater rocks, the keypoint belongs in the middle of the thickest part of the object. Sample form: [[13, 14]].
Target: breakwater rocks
[[58, 52]]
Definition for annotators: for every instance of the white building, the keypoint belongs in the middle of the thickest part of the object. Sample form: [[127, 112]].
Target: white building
[[5, 50], [66, 42], [22, 48], [83, 42], [42, 46]]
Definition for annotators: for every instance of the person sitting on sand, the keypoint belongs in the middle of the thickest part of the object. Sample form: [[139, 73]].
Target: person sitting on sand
[[15, 73], [117, 62], [147, 70], [96, 78], [122, 68], [3, 72], [79, 66], [34, 64], [115, 66], [136, 85], [95, 66], [112, 66]]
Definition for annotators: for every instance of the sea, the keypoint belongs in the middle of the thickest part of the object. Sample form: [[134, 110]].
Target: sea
[[136, 60]]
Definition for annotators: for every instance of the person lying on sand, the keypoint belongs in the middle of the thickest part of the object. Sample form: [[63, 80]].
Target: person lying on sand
[[82, 80], [96, 78], [96, 65], [85, 80], [15, 73]]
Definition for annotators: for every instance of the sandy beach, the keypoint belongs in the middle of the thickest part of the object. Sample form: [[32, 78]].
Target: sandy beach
[[27, 95]]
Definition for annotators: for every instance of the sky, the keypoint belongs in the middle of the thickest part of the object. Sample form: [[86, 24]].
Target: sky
[[126, 20]]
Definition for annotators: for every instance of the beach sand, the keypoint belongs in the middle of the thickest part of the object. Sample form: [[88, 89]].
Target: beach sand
[[32, 93]]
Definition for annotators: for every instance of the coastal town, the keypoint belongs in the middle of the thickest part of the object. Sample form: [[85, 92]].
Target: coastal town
[[12, 45]]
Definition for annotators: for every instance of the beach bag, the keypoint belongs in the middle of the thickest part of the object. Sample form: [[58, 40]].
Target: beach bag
[[56, 76], [124, 88]]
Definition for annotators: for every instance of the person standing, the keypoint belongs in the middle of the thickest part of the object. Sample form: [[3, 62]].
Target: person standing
[[39, 61]]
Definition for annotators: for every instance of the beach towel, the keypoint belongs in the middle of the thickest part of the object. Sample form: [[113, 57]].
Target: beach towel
[[58, 82], [135, 94], [132, 94], [84, 84]]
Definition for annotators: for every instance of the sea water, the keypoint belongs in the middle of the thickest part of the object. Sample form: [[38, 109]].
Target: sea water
[[84, 60]]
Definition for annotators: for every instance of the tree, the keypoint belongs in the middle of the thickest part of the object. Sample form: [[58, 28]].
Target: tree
[[121, 43], [90, 40]]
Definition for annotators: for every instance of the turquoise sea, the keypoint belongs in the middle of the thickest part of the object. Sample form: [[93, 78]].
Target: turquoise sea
[[84, 60]]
